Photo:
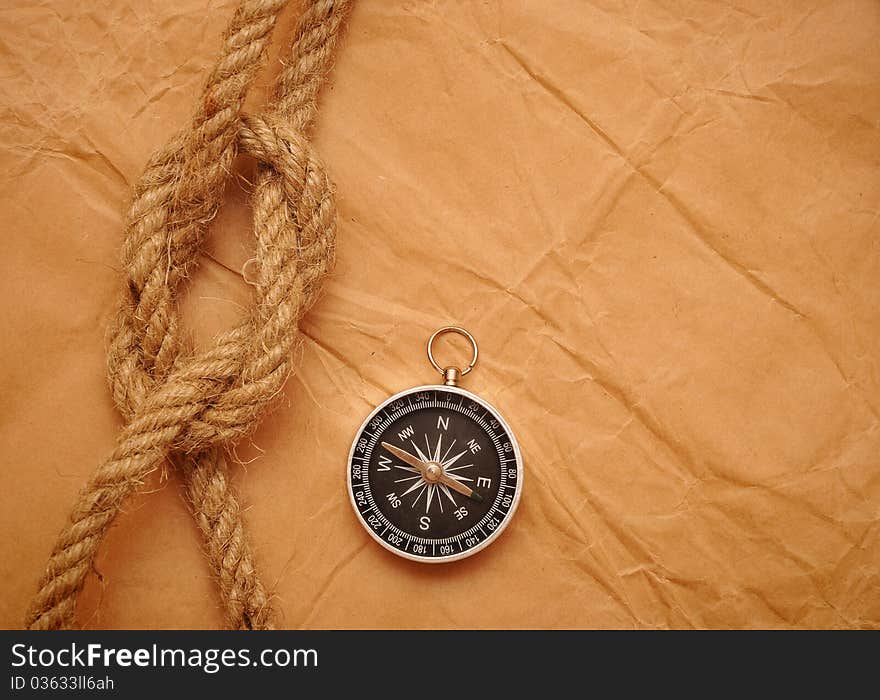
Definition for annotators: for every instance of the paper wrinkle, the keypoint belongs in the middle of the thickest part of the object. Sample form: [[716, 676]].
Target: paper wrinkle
[[662, 231], [752, 277], [658, 187]]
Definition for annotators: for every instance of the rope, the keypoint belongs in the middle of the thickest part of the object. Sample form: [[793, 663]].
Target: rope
[[191, 407]]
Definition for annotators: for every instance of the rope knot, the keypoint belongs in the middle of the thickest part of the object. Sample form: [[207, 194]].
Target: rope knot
[[217, 396], [277, 145], [195, 404]]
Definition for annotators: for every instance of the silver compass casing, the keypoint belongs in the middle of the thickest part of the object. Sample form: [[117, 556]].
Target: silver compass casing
[[493, 536]]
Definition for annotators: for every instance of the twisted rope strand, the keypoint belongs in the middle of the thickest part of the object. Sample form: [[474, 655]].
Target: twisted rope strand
[[217, 513], [190, 408]]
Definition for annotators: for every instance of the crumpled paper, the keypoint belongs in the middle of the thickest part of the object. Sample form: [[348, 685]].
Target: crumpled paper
[[659, 220]]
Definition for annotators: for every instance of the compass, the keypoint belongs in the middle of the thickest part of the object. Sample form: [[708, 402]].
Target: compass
[[435, 473]]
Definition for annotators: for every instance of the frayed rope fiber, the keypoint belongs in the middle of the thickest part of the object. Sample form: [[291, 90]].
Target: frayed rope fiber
[[189, 407]]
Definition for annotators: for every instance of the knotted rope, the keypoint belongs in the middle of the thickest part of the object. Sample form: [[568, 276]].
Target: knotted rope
[[189, 407]]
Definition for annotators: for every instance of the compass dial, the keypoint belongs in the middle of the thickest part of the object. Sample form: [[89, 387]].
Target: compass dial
[[434, 474]]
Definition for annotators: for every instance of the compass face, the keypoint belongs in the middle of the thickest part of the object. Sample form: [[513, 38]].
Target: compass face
[[434, 474]]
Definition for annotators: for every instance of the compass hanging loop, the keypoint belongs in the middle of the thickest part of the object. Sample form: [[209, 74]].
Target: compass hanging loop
[[452, 374]]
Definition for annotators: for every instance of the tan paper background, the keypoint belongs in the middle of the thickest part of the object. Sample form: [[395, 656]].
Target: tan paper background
[[660, 220]]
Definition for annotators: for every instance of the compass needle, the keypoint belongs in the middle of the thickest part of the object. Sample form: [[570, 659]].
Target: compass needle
[[406, 457], [404, 468], [407, 467]]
